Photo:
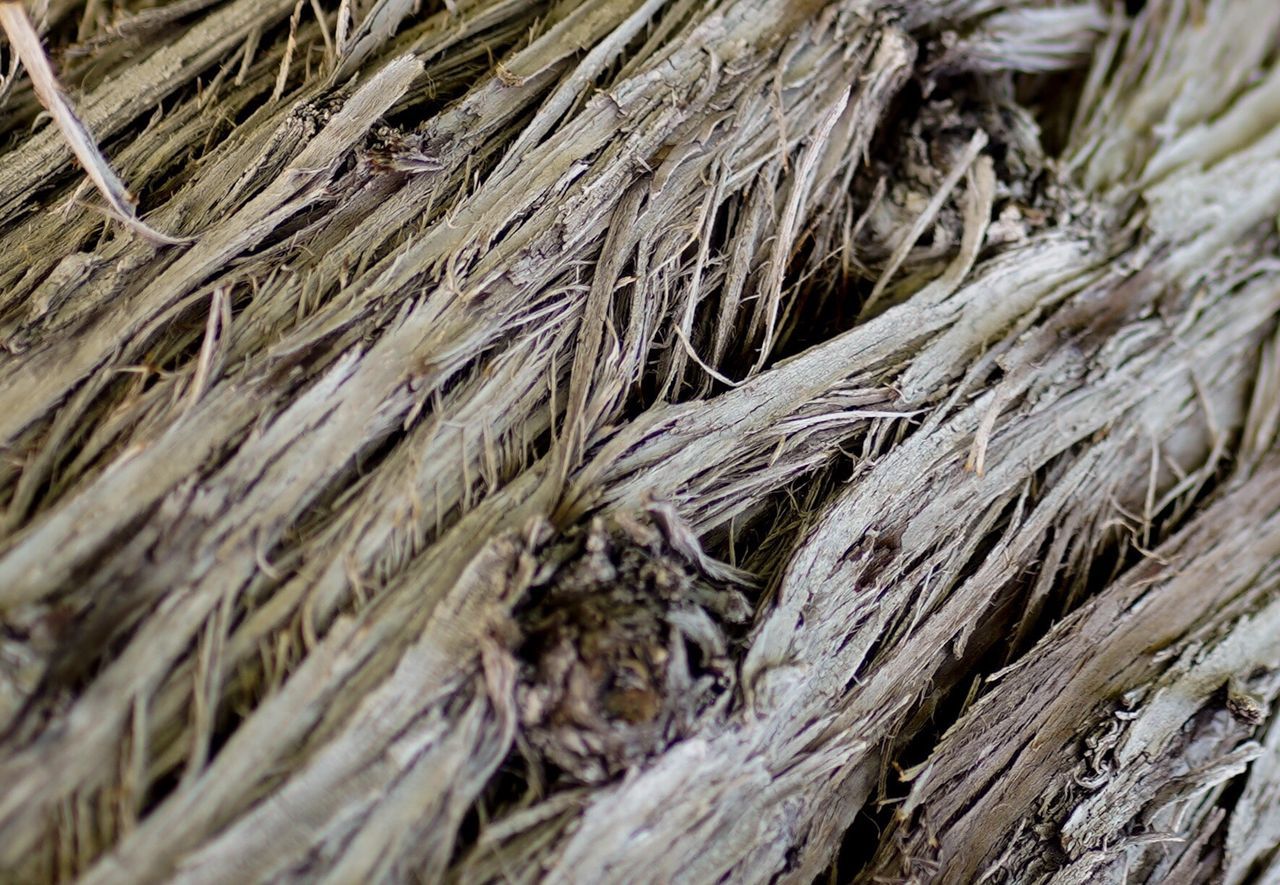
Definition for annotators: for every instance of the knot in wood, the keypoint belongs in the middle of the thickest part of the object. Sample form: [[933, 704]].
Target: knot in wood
[[624, 647]]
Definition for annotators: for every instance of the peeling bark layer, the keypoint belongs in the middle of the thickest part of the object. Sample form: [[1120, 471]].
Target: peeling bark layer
[[644, 440]]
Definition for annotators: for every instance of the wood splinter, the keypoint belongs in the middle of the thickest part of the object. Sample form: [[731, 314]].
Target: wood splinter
[[26, 45]]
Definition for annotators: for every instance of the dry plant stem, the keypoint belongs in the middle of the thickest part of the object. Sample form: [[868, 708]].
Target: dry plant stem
[[391, 531], [1143, 713], [26, 44]]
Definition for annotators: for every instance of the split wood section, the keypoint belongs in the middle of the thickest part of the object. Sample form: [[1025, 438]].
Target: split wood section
[[626, 440]]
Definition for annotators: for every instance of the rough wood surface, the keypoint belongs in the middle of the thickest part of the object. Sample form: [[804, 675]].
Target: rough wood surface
[[643, 441]]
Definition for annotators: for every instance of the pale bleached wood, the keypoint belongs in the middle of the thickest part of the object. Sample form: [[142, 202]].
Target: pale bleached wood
[[489, 296]]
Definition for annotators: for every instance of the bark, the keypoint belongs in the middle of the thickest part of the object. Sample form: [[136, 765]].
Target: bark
[[643, 440]]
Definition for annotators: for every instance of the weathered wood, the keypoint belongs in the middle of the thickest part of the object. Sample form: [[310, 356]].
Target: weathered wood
[[644, 440]]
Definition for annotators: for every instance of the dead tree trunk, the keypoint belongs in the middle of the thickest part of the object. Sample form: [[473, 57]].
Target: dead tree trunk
[[644, 441]]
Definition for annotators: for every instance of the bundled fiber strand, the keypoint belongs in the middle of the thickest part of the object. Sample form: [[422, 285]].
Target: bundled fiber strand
[[639, 441]]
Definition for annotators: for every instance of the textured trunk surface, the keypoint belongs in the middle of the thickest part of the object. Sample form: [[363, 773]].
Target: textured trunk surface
[[643, 441]]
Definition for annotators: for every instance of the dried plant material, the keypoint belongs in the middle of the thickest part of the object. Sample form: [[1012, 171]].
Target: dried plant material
[[26, 45], [626, 648], [927, 216], [1025, 39], [622, 440]]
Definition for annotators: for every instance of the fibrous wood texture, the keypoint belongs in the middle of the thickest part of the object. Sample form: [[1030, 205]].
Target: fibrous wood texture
[[645, 441]]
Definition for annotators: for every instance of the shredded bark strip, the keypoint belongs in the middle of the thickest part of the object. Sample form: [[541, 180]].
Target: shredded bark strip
[[639, 441]]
